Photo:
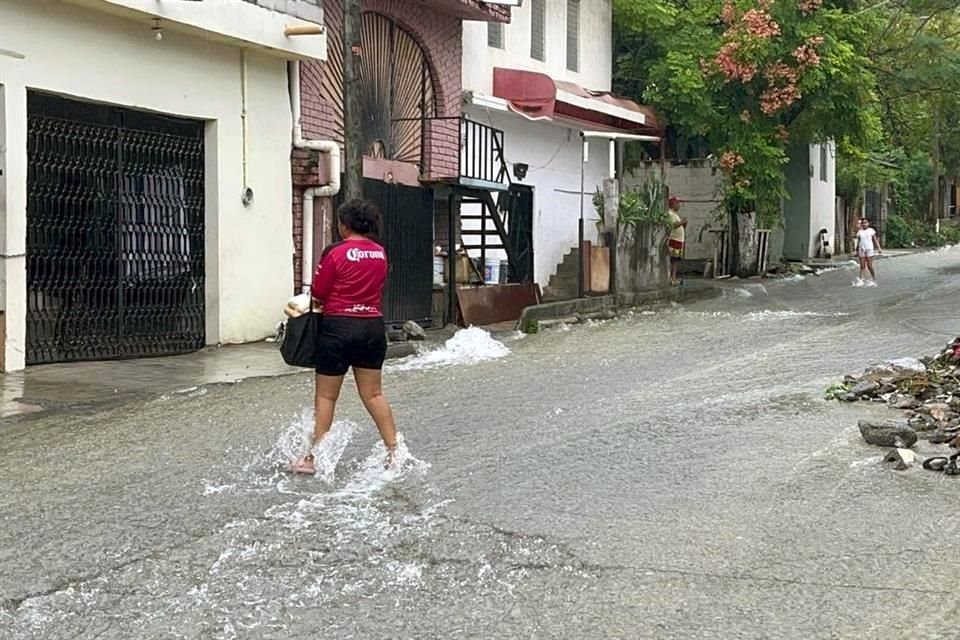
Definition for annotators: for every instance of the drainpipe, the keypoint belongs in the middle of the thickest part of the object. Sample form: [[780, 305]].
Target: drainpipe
[[247, 195], [328, 190]]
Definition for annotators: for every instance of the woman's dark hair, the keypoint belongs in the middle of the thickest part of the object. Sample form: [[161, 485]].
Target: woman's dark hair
[[360, 216]]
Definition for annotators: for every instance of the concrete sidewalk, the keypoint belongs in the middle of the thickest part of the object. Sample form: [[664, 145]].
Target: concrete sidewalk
[[533, 317], [849, 257], [83, 386], [80, 385]]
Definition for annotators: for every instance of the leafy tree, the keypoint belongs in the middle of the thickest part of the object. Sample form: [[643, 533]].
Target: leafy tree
[[751, 77]]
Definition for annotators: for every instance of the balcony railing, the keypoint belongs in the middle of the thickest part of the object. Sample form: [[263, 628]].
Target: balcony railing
[[481, 155]]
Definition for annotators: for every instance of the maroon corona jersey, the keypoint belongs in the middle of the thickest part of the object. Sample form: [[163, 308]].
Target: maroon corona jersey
[[350, 277]]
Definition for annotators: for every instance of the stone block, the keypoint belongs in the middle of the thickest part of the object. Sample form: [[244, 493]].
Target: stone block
[[888, 433], [901, 458]]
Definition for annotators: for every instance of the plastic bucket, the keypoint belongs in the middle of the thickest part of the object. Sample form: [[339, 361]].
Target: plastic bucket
[[491, 271], [439, 269]]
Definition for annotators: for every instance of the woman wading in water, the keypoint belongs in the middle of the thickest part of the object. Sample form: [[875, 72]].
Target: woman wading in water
[[348, 286]]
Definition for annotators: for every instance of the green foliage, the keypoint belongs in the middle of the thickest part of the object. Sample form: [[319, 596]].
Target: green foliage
[[858, 171], [836, 392], [912, 186], [646, 203], [669, 53], [902, 233], [884, 87]]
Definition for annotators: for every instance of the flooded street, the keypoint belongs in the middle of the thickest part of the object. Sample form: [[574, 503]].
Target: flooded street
[[674, 473]]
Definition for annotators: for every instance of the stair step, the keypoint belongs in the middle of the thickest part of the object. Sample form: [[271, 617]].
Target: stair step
[[556, 295]]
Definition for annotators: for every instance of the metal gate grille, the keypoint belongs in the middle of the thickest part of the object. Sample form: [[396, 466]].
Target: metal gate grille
[[408, 240], [115, 233]]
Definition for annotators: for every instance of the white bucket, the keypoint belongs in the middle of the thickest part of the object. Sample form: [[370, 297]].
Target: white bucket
[[491, 271], [439, 269]]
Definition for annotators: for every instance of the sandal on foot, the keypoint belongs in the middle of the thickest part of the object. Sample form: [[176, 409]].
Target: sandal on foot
[[935, 464], [304, 466]]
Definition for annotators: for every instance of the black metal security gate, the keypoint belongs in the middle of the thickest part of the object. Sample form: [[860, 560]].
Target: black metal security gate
[[115, 232], [517, 208], [408, 240]]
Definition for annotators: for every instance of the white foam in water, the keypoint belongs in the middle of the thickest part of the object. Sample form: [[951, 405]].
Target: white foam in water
[[328, 453], [866, 462], [373, 475], [794, 278], [747, 291], [768, 314], [467, 346]]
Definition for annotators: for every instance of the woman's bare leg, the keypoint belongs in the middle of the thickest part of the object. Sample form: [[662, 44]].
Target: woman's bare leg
[[326, 393], [863, 267], [370, 387]]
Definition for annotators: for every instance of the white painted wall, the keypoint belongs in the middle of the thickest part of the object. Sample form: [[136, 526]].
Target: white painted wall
[[85, 54], [596, 47], [823, 196], [553, 153]]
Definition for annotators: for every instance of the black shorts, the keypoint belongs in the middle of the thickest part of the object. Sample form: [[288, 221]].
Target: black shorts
[[350, 342]]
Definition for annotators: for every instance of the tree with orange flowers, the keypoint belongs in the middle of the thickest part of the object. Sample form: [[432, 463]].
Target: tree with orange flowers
[[750, 78]]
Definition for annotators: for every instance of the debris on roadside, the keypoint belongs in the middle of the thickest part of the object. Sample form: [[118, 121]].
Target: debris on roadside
[[888, 433], [926, 391], [902, 458]]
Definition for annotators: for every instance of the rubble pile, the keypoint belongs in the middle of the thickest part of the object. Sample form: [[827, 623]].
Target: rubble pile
[[926, 391]]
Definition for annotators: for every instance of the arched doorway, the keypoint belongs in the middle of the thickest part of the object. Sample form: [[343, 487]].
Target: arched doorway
[[396, 86]]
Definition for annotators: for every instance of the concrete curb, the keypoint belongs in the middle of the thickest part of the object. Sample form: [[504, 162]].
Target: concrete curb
[[544, 315]]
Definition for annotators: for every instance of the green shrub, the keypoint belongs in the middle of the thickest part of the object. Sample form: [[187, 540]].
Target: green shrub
[[899, 233], [949, 235], [646, 203], [902, 233]]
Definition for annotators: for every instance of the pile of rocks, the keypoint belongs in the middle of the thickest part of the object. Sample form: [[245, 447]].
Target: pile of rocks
[[926, 391]]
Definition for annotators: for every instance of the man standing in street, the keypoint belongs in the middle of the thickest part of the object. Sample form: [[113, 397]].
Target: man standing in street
[[677, 238]]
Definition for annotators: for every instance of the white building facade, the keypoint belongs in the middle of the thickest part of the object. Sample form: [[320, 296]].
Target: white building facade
[[542, 79], [809, 213], [144, 173]]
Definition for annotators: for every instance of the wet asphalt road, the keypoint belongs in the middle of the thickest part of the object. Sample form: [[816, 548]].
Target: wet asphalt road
[[670, 474]]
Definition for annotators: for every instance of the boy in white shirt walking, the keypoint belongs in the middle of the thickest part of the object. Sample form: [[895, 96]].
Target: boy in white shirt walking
[[868, 246]]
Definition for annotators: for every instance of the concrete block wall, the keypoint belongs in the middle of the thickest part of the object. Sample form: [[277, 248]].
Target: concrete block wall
[[699, 188]]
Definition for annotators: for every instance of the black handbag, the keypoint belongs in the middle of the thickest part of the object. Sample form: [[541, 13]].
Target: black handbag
[[301, 335]]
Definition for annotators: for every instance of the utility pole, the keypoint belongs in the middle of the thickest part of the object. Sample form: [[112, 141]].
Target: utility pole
[[937, 207], [352, 125]]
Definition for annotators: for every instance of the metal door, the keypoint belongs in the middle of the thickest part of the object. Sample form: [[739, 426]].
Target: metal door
[[517, 208], [115, 232], [408, 240]]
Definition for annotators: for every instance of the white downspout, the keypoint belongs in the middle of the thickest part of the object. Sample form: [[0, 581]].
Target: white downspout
[[328, 190], [247, 195]]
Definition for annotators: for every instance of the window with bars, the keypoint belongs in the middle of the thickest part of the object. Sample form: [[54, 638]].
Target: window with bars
[[538, 27], [495, 35], [573, 35]]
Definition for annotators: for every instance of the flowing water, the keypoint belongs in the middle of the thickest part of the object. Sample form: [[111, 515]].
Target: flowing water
[[674, 473]]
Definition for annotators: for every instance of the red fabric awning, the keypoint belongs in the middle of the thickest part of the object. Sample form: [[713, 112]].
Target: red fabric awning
[[538, 96]]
